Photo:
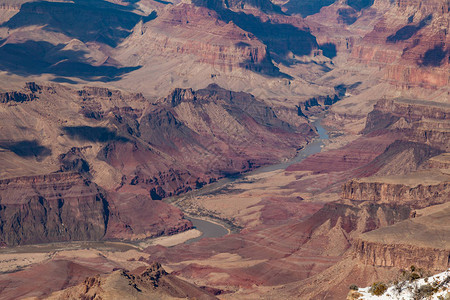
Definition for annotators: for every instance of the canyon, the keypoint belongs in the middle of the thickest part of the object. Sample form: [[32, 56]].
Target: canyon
[[216, 149]]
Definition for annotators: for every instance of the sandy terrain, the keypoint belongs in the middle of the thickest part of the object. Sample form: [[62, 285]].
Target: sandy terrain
[[12, 262], [243, 202], [172, 240]]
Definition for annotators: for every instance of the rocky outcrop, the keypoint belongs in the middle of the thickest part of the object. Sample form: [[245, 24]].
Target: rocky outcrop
[[420, 241], [401, 256], [211, 132], [10, 7], [263, 5], [48, 208], [74, 161], [152, 282], [94, 98], [16, 97], [423, 122], [33, 87], [316, 103], [179, 95], [66, 206], [418, 196], [355, 218], [410, 110], [98, 93], [431, 6], [7, 11], [28, 93], [400, 158]]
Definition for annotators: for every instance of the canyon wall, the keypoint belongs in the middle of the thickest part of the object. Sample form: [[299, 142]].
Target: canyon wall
[[108, 156], [65, 206], [420, 241], [411, 43], [54, 207], [419, 121], [197, 32], [418, 196], [401, 256], [7, 11]]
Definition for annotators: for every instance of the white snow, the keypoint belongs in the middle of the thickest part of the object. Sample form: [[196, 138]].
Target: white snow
[[407, 291]]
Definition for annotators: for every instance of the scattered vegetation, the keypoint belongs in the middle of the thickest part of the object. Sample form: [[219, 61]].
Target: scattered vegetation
[[425, 291], [410, 275], [413, 274], [407, 285], [446, 297], [353, 287], [378, 288], [354, 295]]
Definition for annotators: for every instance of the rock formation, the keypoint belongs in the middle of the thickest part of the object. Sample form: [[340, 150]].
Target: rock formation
[[67, 207], [117, 151], [420, 241], [54, 207], [414, 51], [151, 283], [134, 103], [15, 97], [420, 189]]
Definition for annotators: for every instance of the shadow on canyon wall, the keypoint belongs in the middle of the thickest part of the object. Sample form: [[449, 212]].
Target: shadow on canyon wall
[[26, 148], [93, 134], [434, 57], [306, 7], [408, 31], [34, 58], [86, 20], [280, 39]]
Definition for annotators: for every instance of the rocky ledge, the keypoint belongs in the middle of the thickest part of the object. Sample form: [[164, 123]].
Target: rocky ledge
[[419, 189], [54, 207], [421, 241], [420, 121]]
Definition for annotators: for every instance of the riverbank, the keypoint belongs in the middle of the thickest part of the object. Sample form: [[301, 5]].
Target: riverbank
[[218, 202], [207, 222]]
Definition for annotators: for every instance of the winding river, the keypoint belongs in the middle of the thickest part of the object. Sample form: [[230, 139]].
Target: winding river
[[213, 229], [209, 229]]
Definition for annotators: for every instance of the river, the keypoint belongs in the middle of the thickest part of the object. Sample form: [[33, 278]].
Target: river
[[215, 229], [209, 229]]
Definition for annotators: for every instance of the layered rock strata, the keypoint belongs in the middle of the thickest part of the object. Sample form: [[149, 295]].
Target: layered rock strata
[[184, 30], [420, 121], [54, 207], [420, 241], [419, 189]]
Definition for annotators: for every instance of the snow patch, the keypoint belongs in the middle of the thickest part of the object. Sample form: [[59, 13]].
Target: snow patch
[[407, 290]]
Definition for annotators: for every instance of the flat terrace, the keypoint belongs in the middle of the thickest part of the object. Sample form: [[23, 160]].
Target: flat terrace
[[413, 179], [430, 229]]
